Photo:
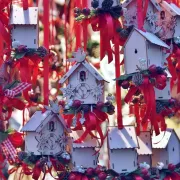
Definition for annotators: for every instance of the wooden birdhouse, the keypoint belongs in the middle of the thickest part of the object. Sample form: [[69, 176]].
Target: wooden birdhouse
[[24, 26], [84, 83], [148, 51], [171, 15], [145, 147], [166, 148], [164, 94], [130, 14], [46, 133], [115, 2], [83, 153], [122, 144]]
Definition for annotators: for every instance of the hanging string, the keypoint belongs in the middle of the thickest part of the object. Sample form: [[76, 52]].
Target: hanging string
[[46, 45]]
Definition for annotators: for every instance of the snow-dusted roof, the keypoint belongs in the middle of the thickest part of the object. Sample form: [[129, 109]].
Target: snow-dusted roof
[[154, 2], [145, 145], [151, 38], [171, 8], [122, 138], [40, 119], [161, 141], [87, 65], [20, 16], [88, 142]]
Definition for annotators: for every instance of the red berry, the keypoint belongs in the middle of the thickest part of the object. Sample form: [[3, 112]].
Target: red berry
[[86, 11], [62, 103], [144, 171], [161, 79], [76, 103], [90, 171], [152, 69], [98, 170], [102, 176], [125, 84], [171, 167], [72, 176]]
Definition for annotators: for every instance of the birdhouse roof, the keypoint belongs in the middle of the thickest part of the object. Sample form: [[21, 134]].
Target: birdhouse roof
[[171, 8], [125, 138], [150, 37], [161, 141], [154, 2], [88, 66], [88, 142], [145, 145], [20, 16], [40, 119]]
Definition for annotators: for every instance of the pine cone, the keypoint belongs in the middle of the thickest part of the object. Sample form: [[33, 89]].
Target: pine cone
[[22, 155], [95, 4], [107, 4]]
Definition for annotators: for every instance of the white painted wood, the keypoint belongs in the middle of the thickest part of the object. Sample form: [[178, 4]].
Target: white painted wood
[[84, 157], [164, 94], [160, 155], [136, 43], [174, 149], [123, 160], [115, 3], [144, 158]]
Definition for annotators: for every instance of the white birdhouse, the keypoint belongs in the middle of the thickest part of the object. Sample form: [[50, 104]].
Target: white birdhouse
[[145, 147], [115, 3], [166, 148], [164, 94], [143, 49], [122, 149], [84, 83], [83, 153], [24, 26], [130, 14], [46, 133], [171, 15]]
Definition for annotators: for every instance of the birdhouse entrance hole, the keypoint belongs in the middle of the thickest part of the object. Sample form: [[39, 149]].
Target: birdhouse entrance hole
[[82, 76], [136, 51]]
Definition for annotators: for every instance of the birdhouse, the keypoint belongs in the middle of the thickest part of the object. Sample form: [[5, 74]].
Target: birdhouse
[[24, 26], [83, 154], [122, 144], [166, 148], [145, 147], [164, 94], [46, 133], [148, 51], [115, 2], [130, 14], [171, 15], [84, 83]]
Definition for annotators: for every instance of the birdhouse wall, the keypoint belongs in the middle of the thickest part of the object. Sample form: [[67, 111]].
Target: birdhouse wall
[[84, 157], [115, 3], [49, 141], [144, 158], [164, 94], [155, 55], [134, 52], [177, 27], [160, 155], [83, 86], [174, 149], [26, 35], [123, 160]]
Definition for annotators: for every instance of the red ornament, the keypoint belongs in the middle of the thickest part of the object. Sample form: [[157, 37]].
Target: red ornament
[[125, 84], [98, 170], [171, 167], [161, 79], [62, 103], [144, 171], [102, 176], [152, 69], [72, 176], [90, 171], [16, 139], [76, 104]]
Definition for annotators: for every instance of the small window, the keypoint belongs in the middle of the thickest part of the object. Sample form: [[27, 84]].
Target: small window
[[34, 41], [135, 51], [166, 162], [82, 76], [51, 126], [173, 148], [94, 162], [113, 165], [163, 15]]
